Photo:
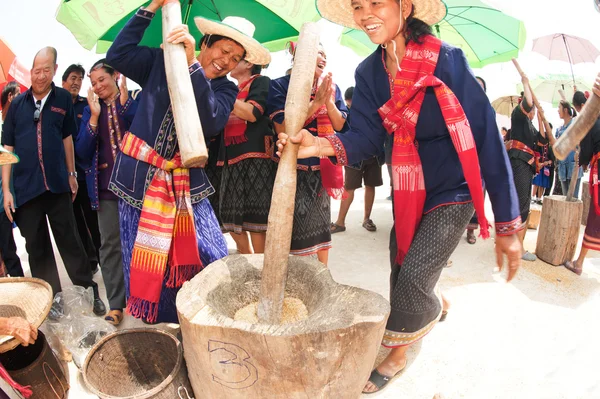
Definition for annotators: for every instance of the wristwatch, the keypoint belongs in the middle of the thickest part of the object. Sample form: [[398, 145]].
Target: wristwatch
[[74, 174]]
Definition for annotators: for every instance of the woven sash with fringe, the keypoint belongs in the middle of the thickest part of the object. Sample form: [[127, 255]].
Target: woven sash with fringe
[[332, 176], [400, 115], [166, 231]]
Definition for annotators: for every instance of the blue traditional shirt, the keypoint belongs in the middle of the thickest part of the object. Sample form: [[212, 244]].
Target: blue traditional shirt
[[444, 179], [42, 166], [91, 145], [276, 104], [153, 121]]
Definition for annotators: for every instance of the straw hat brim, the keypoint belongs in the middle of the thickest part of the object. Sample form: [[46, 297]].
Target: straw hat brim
[[256, 53], [340, 11], [30, 298]]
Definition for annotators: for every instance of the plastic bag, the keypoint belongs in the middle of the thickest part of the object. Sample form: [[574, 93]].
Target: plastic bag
[[73, 322]]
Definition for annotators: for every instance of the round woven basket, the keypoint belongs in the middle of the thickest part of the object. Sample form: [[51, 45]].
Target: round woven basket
[[137, 364], [30, 298]]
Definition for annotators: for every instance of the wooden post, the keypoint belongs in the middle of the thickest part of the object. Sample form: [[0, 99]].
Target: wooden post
[[281, 215], [190, 137], [578, 129], [559, 230], [586, 199]]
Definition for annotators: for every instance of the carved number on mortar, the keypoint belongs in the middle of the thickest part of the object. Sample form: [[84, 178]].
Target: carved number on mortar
[[223, 354]]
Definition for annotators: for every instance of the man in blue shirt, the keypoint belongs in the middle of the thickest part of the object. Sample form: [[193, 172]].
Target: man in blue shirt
[[38, 128], [85, 217]]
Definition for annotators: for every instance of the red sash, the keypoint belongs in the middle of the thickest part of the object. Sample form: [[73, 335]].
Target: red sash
[[332, 176], [594, 181], [400, 115], [517, 145], [235, 129]]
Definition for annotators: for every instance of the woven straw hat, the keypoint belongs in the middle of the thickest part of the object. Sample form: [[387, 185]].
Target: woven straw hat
[[340, 11], [30, 298], [239, 29]]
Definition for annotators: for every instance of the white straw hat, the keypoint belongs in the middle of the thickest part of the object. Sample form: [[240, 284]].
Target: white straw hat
[[340, 11], [239, 29]]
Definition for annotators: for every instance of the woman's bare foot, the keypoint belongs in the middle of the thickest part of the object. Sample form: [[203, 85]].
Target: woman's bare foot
[[471, 239], [391, 365]]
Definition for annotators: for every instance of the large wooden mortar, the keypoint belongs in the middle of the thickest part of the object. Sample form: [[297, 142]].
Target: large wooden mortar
[[328, 355], [559, 229]]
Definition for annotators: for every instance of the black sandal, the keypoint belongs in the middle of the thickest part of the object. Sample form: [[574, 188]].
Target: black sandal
[[380, 380], [336, 228]]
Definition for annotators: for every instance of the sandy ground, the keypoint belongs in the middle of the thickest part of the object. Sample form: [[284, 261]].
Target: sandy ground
[[534, 338]]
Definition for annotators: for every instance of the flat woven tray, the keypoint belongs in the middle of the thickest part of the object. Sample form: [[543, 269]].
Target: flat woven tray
[[26, 297]]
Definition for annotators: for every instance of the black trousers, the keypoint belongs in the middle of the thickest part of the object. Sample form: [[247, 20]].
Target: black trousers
[[8, 248], [87, 224], [31, 219]]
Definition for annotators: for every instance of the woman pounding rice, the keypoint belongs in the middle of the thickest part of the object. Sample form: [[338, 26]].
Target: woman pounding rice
[[318, 179], [148, 175], [249, 171], [435, 159]]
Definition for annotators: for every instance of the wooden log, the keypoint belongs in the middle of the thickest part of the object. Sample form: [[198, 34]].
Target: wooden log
[[586, 199], [559, 229], [535, 216], [328, 355], [281, 214], [578, 129], [190, 137]]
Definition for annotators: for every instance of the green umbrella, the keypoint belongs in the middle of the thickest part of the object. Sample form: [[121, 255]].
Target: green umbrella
[[97, 22], [485, 34]]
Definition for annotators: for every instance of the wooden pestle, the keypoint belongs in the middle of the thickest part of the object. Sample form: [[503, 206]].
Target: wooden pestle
[[281, 215], [190, 136]]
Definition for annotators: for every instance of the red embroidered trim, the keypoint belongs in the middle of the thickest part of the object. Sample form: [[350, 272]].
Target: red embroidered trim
[[509, 228], [338, 147], [248, 155], [274, 114], [40, 154], [59, 110], [257, 106]]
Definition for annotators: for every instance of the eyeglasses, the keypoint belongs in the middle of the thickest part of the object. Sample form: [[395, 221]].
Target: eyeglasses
[[38, 110]]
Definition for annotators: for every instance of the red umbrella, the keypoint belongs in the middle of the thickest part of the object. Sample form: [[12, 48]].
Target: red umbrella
[[12, 69], [567, 48]]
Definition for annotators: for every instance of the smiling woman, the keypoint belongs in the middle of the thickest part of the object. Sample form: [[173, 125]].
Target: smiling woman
[[149, 154], [438, 161]]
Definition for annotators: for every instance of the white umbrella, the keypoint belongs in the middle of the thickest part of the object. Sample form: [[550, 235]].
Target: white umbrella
[[567, 48]]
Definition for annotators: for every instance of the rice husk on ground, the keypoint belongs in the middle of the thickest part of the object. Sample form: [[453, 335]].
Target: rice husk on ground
[[293, 311]]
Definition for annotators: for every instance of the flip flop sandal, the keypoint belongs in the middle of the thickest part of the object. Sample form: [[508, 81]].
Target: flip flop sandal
[[114, 317], [444, 315], [369, 225], [336, 228], [570, 266], [380, 380], [471, 239]]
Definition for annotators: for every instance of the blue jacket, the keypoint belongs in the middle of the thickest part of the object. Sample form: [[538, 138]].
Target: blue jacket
[[444, 179], [86, 146], [153, 121]]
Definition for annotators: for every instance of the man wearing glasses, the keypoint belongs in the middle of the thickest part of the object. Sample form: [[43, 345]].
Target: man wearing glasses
[[39, 128]]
